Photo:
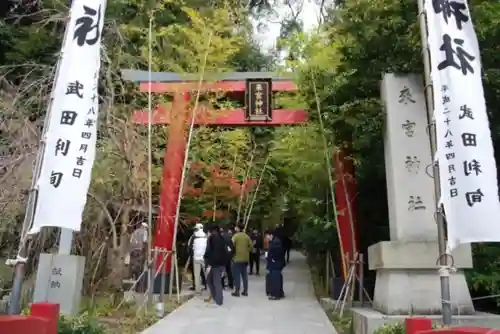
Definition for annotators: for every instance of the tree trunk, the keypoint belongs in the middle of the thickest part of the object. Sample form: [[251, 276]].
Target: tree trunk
[[116, 256]]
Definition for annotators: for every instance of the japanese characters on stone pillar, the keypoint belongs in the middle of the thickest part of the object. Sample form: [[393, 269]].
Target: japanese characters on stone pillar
[[407, 277], [59, 279], [70, 139], [407, 149], [469, 188]]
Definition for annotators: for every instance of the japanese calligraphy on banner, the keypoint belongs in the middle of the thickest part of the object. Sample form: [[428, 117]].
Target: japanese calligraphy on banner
[[70, 140], [467, 168]]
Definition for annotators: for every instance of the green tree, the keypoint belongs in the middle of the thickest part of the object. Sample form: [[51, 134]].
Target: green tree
[[359, 41], [187, 36]]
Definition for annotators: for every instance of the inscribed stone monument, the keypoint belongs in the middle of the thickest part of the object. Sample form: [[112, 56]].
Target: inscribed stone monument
[[59, 280], [407, 277]]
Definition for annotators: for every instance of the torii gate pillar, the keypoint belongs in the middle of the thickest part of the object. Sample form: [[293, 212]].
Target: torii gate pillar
[[173, 161]]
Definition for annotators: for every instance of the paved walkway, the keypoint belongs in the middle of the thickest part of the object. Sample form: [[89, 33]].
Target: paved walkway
[[298, 313]]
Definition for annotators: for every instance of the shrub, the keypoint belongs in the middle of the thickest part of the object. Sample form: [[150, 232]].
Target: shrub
[[392, 328]]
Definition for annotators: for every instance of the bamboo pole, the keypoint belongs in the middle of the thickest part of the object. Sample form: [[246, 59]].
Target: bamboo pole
[[262, 173], [184, 171]]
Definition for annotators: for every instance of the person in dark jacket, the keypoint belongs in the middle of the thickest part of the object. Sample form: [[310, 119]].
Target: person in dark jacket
[[286, 241], [287, 245], [215, 260], [275, 265], [257, 244], [228, 271]]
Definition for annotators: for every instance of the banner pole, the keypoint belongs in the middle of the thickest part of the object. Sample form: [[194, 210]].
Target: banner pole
[[444, 271], [20, 262]]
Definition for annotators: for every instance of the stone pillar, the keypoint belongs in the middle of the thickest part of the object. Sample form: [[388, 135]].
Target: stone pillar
[[59, 280], [407, 276]]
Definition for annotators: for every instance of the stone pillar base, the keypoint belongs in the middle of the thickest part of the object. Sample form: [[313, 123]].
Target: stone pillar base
[[408, 281], [59, 280], [418, 292]]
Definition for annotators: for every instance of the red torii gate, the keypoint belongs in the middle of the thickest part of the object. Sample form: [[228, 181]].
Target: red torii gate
[[235, 85]]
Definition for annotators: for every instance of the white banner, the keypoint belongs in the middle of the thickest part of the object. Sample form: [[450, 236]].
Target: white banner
[[70, 140], [467, 168]]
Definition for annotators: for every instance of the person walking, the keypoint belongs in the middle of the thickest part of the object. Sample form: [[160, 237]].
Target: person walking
[[257, 244], [286, 241], [228, 235], [198, 245], [216, 256], [137, 253], [275, 264], [242, 248], [287, 245], [266, 240]]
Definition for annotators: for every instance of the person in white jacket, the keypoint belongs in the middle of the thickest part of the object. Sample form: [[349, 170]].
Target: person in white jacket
[[199, 246]]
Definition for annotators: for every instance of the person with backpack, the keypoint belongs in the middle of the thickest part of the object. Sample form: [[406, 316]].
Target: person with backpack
[[216, 257], [197, 245], [242, 248]]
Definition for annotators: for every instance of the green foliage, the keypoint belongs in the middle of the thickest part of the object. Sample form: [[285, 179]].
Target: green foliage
[[204, 44], [250, 58], [391, 328], [317, 236], [188, 36], [339, 69], [484, 279], [82, 324], [343, 325], [298, 154]]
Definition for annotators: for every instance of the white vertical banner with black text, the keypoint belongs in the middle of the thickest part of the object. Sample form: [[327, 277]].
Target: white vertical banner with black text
[[467, 168], [70, 140]]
